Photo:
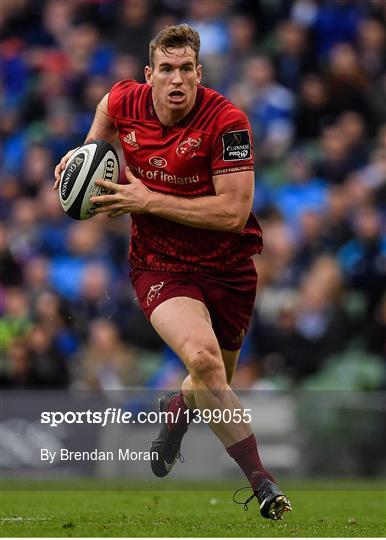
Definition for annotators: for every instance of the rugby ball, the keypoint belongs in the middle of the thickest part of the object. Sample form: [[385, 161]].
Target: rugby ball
[[92, 161]]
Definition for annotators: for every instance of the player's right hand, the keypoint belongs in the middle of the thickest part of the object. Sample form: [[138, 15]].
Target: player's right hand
[[61, 166]]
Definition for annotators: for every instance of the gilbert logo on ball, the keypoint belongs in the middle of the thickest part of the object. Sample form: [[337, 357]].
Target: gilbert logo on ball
[[90, 162]]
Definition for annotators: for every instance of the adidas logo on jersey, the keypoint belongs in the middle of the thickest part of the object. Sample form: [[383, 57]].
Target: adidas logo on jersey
[[131, 139]]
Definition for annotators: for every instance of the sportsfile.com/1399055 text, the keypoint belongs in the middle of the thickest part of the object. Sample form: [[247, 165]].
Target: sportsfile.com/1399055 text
[[113, 415]]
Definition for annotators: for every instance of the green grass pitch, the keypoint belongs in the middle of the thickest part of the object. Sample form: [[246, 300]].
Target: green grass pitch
[[353, 509]]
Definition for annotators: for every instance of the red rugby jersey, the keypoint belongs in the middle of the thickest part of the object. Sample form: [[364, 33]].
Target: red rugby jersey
[[214, 138]]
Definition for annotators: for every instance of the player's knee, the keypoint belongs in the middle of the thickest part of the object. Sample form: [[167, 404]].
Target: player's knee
[[207, 366]]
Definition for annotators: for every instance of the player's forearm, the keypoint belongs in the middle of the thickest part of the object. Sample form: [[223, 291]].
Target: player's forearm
[[102, 127], [215, 212]]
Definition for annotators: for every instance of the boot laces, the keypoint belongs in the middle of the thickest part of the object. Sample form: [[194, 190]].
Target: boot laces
[[247, 501]]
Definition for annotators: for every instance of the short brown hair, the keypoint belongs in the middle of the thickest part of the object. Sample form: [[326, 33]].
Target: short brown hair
[[173, 37]]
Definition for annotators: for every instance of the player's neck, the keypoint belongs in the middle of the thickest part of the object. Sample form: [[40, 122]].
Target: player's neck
[[169, 117]]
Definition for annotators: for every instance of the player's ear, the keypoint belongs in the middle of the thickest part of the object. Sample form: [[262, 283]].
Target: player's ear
[[199, 73], [149, 76]]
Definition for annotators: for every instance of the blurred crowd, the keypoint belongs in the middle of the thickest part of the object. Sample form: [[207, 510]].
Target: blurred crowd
[[311, 75]]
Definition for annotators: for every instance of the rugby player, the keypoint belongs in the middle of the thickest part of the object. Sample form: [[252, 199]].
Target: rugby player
[[189, 191]]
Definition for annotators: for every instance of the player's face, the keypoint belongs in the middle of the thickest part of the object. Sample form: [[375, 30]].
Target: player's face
[[174, 79]]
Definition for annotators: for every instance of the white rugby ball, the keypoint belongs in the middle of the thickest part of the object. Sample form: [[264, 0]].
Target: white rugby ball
[[92, 161]]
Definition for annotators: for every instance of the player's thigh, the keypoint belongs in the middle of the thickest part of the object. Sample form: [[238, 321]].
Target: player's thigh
[[230, 298], [230, 359], [184, 324]]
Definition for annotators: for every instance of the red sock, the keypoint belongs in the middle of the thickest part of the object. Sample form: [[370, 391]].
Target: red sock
[[247, 458], [181, 419]]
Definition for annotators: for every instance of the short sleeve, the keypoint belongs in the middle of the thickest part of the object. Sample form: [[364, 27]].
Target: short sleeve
[[118, 97], [233, 144]]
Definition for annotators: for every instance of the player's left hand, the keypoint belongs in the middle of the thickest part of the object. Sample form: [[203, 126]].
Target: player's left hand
[[125, 198]]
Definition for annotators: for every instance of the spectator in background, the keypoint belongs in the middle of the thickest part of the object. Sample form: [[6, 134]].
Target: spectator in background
[[36, 276], [47, 362], [311, 242], [280, 349], [376, 331], [334, 164], [85, 243], [304, 12], [94, 89], [51, 76], [10, 191], [56, 21], [23, 232], [336, 22], [372, 48], [294, 58], [347, 81], [378, 101], [336, 223], [369, 183], [276, 263], [314, 107], [35, 362], [125, 66], [363, 259], [301, 191], [36, 166], [60, 128], [54, 225], [96, 299], [132, 31], [321, 319], [305, 328], [107, 363], [242, 35], [86, 54], [266, 15], [269, 106], [353, 128], [51, 313], [15, 323], [19, 373], [210, 21], [11, 270]]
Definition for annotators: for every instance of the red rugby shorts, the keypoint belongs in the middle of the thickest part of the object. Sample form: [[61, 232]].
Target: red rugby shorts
[[228, 296]]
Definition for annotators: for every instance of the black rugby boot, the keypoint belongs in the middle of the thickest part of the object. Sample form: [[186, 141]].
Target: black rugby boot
[[273, 503], [167, 444]]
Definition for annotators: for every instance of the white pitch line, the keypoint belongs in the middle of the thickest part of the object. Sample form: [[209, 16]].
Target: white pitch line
[[21, 518]]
